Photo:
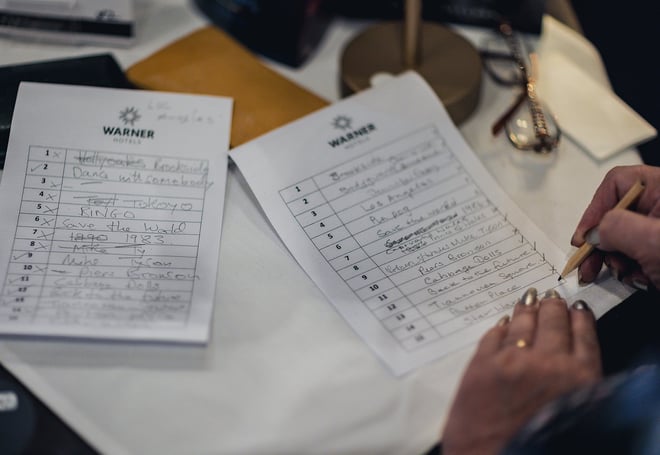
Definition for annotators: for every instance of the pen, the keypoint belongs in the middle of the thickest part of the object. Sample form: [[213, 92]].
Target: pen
[[585, 250]]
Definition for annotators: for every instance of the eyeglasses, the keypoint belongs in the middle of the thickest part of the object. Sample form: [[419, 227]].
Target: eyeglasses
[[533, 128]]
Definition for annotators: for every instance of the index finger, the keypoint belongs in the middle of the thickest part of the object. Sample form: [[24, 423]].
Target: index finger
[[613, 187], [553, 333], [632, 234]]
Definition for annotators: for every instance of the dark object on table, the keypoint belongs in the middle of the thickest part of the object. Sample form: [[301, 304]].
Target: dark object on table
[[28, 427], [618, 415], [524, 15], [284, 30], [96, 70]]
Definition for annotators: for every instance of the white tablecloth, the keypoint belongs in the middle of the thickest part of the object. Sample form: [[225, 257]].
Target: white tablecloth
[[283, 372]]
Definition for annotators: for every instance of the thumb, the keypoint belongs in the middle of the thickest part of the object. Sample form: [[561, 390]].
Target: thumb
[[637, 236]]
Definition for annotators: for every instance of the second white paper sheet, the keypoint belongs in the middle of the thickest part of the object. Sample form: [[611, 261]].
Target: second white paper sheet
[[389, 211]]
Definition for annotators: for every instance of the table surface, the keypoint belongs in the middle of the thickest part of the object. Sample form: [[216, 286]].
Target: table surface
[[283, 372]]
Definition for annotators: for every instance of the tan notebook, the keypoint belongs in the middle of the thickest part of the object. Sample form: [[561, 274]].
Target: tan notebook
[[210, 62]]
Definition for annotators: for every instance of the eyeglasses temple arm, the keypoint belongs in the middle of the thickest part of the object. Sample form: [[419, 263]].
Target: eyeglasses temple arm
[[538, 116], [501, 121]]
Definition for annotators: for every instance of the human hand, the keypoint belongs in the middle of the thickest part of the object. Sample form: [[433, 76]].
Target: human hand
[[629, 239], [544, 351]]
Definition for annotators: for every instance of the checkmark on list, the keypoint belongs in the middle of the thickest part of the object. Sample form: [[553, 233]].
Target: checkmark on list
[[60, 244]]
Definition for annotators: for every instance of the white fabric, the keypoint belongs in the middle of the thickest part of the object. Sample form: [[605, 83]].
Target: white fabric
[[283, 372]]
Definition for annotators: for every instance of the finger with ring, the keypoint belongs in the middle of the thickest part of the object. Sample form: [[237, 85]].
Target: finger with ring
[[523, 322], [521, 343]]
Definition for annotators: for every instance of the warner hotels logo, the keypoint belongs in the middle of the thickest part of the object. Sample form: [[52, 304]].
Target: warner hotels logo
[[345, 123], [127, 133]]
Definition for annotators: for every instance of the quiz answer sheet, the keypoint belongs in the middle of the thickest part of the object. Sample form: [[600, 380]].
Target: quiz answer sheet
[[112, 204], [389, 211]]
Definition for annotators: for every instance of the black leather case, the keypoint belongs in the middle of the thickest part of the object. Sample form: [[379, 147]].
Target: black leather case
[[99, 70]]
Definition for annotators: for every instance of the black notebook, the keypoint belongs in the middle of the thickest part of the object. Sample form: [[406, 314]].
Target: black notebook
[[99, 70]]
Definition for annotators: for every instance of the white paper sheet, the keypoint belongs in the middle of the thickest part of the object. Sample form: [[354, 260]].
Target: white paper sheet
[[388, 210], [588, 112], [112, 205]]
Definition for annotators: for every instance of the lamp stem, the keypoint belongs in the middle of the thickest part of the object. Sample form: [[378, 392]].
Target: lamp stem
[[412, 33]]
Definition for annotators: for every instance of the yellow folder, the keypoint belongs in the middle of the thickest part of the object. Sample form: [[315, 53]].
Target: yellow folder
[[208, 61]]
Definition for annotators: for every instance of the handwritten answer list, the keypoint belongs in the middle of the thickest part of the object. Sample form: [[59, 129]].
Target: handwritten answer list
[[390, 213], [416, 239], [116, 227]]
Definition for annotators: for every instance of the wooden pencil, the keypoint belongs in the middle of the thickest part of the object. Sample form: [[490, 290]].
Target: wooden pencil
[[585, 250]]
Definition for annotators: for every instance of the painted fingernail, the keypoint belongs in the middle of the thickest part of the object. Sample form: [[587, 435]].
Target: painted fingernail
[[529, 297], [551, 294], [613, 270], [581, 282], [504, 320], [580, 305], [637, 284], [593, 236], [615, 273]]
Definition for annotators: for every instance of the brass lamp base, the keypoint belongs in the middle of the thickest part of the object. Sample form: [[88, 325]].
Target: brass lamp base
[[447, 61]]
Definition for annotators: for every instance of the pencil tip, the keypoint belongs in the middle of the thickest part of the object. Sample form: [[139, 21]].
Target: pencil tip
[[560, 278]]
